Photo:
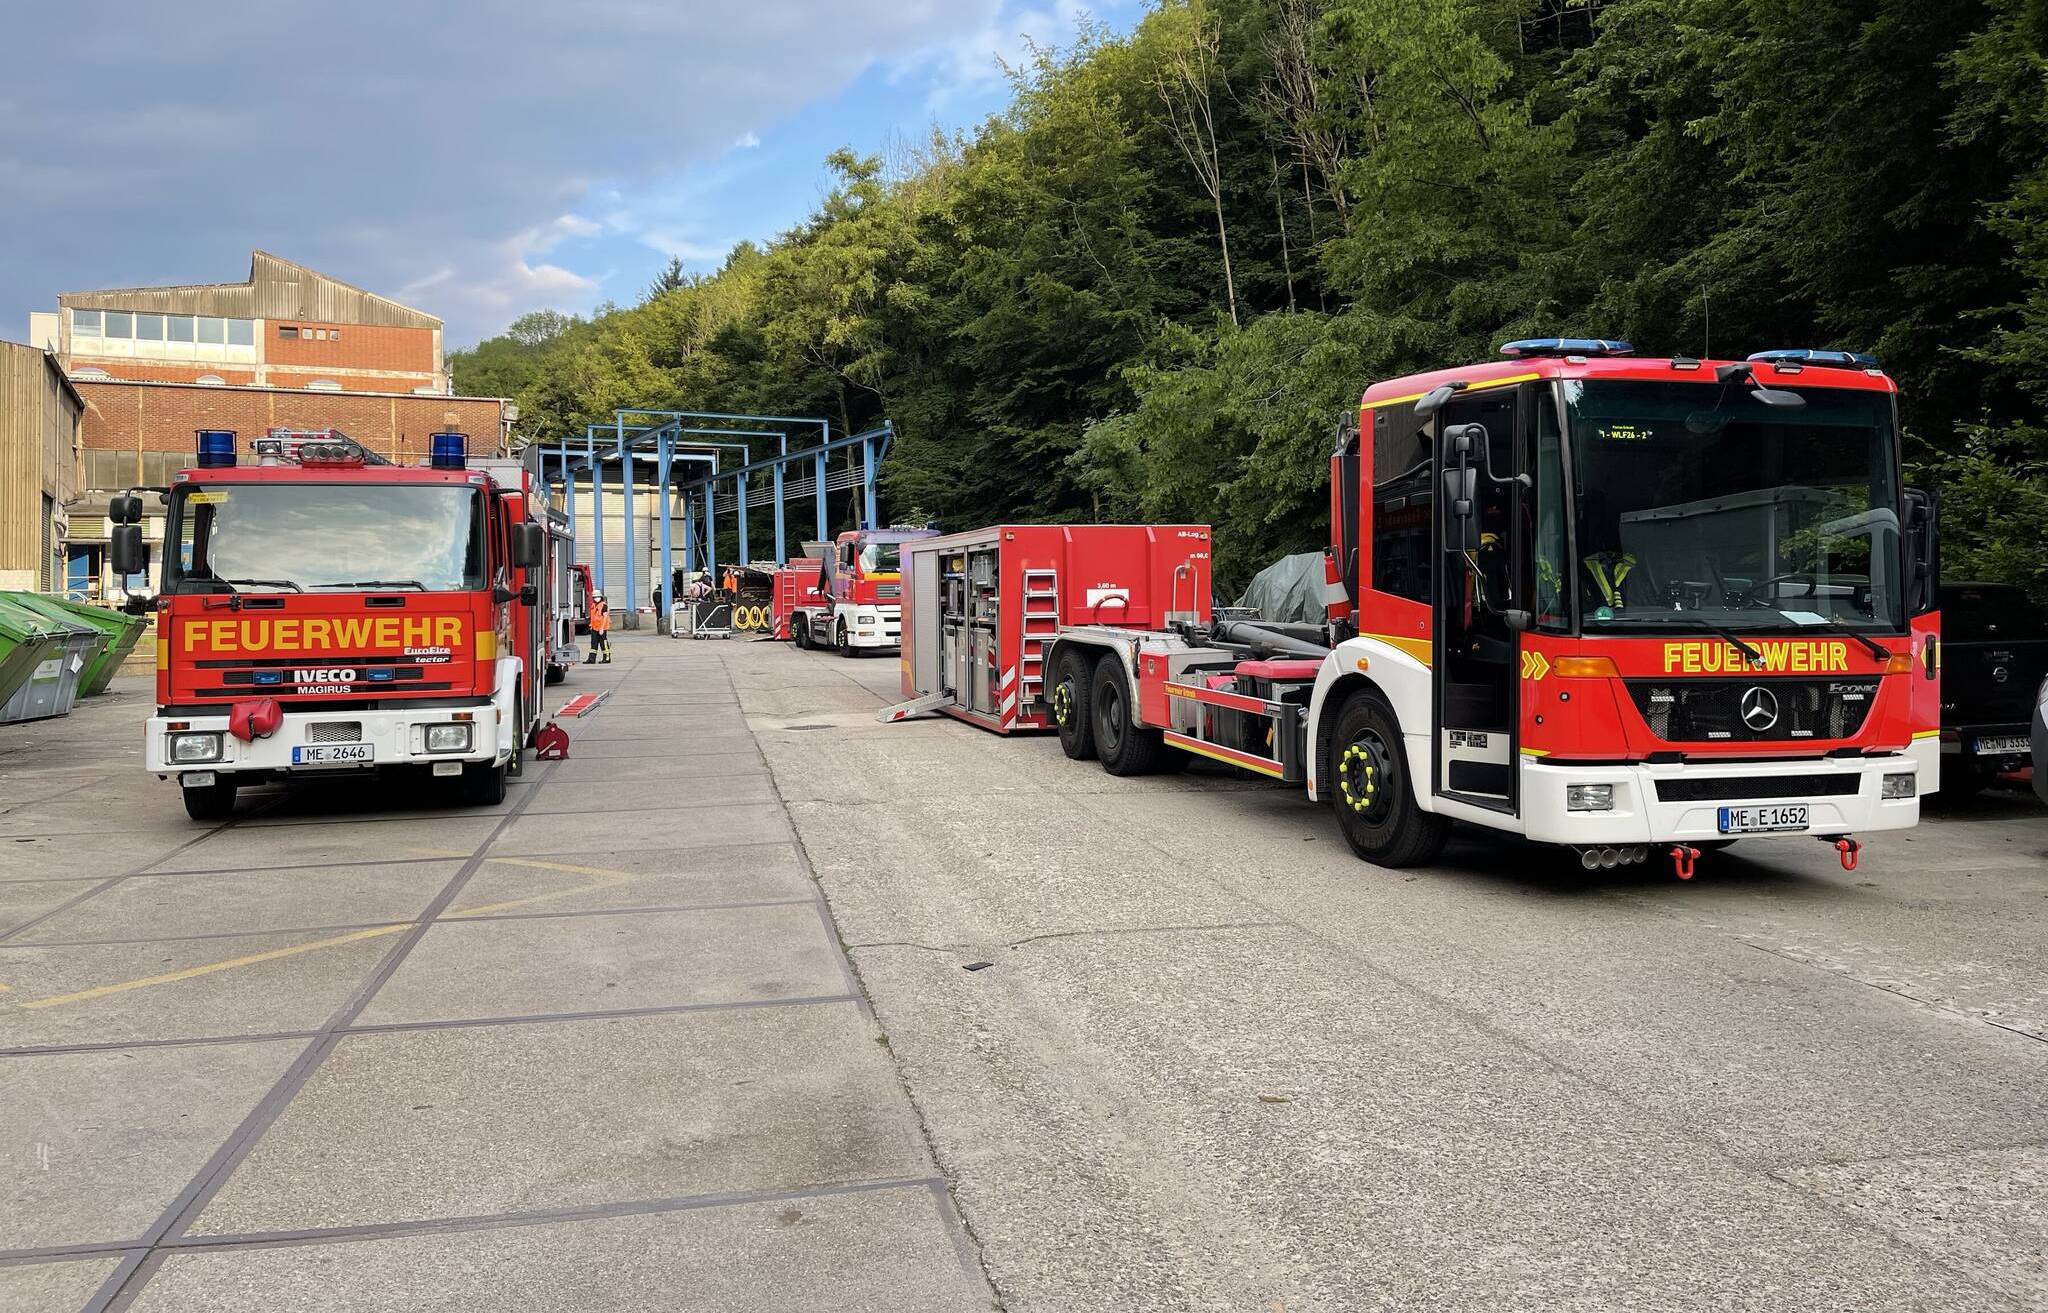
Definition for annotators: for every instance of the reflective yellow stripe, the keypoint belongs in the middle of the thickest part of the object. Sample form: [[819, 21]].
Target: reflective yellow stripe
[[1422, 649], [163, 654], [1535, 752], [1509, 381], [487, 645], [1926, 733]]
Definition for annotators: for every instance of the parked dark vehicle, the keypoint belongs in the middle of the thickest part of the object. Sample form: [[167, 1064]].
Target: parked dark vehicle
[[2041, 740], [1994, 654]]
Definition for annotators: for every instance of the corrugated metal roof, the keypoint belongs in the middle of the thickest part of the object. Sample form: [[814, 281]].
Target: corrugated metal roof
[[277, 289]]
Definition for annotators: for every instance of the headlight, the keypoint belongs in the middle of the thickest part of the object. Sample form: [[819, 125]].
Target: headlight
[[1900, 786], [447, 738], [187, 748], [1589, 797]]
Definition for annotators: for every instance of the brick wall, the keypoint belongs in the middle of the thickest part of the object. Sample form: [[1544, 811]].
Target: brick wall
[[127, 417], [156, 372], [359, 346]]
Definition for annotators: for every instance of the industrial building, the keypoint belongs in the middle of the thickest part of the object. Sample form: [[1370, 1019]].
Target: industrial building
[[287, 326], [39, 441]]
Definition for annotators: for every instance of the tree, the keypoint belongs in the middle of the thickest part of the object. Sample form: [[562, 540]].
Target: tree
[[668, 280]]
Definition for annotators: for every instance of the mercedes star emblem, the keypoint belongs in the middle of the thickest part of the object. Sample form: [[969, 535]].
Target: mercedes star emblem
[[1759, 708]]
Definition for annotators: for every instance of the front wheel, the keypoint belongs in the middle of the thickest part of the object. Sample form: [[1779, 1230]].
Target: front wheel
[[1371, 791], [483, 785], [846, 648], [211, 802], [1071, 705]]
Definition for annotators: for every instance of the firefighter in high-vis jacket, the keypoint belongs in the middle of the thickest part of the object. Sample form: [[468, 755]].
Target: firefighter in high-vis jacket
[[600, 631]]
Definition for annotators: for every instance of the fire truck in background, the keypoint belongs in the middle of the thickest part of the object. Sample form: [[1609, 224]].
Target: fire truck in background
[[323, 612], [859, 591], [1621, 604]]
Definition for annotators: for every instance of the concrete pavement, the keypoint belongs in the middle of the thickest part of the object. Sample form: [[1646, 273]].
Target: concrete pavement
[[700, 1019]]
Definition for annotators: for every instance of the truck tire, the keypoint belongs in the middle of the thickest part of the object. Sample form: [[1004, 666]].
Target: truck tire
[[213, 802], [483, 785], [800, 632], [1071, 707], [1124, 747], [555, 674], [846, 649], [1370, 789]]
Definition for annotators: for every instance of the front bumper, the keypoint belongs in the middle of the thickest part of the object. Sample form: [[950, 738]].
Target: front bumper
[[397, 738], [875, 629], [1640, 815]]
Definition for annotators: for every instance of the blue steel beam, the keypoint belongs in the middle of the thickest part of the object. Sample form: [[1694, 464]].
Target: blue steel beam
[[626, 482], [666, 602], [596, 506]]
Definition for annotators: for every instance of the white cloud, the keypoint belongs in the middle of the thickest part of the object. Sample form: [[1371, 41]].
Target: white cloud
[[747, 141]]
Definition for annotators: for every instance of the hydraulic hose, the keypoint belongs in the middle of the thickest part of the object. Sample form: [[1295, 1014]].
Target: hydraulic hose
[[1265, 640]]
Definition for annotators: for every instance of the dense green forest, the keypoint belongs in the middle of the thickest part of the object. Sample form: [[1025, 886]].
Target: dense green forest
[[1150, 286]]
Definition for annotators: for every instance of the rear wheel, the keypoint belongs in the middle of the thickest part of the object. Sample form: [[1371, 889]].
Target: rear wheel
[[555, 674], [211, 802], [1071, 706], [1125, 747], [800, 632], [483, 785], [1371, 792]]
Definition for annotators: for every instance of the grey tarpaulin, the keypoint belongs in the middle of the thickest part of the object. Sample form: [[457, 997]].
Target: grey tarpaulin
[[1290, 589]]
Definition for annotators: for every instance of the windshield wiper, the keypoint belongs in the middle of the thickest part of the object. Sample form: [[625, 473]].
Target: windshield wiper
[[1749, 654], [380, 583], [266, 583], [1832, 625]]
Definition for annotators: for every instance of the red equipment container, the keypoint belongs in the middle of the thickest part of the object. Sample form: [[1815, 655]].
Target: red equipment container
[[796, 587], [981, 608]]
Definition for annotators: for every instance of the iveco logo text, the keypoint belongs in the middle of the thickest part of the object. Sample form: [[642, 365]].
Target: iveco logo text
[[325, 679], [1759, 708]]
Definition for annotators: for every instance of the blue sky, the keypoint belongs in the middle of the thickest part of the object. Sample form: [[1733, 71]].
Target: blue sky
[[476, 160]]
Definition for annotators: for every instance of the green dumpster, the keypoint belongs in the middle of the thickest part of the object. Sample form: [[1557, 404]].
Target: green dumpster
[[52, 687], [26, 642], [118, 634]]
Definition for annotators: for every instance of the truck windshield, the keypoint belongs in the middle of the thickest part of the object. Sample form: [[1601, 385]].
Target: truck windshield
[[303, 537], [881, 558], [1699, 506]]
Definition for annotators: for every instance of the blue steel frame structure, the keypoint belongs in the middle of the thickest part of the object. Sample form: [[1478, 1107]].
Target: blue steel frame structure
[[683, 436]]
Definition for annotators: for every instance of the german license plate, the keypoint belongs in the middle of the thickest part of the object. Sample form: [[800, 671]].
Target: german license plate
[[1764, 818], [333, 754], [2002, 747]]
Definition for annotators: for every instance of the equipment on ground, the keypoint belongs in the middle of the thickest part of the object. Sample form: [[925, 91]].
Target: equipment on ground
[[326, 613], [1629, 606]]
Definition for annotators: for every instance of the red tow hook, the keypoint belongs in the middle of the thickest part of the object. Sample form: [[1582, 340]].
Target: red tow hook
[[1682, 858], [1849, 850]]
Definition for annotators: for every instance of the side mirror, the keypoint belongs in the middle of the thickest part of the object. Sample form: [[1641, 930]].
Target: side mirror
[[125, 509], [529, 545], [1519, 621], [529, 595], [137, 604], [130, 554], [1433, 400], [1461, 517], [1922, 535]]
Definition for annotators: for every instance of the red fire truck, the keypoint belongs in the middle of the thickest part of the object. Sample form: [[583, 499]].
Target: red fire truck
[[860, 591], [324, 612], [1623, 604]]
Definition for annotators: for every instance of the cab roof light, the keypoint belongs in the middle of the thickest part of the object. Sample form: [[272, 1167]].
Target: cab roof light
[[450, 451], [1807, 356], [216, 448], [1530, 347]]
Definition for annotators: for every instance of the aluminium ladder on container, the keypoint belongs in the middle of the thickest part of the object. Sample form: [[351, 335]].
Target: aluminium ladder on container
[[1041, 614]]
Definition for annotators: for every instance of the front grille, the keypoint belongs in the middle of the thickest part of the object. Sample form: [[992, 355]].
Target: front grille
[[335, 731], [1711, 710], [1757, 786], [888, 592]]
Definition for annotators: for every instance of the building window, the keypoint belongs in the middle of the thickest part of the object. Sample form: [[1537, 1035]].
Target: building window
[[334, 335], [323, 385], [149, 328], [119, 324], [210, 330], [288, 332], [178, 328], [241, 332], [212, 380], [85, 323]]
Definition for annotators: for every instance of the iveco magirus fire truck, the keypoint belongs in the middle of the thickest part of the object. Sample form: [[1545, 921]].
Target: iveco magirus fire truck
[[860, 590], [1627, 605], [324, 612]]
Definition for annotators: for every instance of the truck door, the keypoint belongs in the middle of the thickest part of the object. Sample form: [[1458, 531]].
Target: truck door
[[1477, 687]]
